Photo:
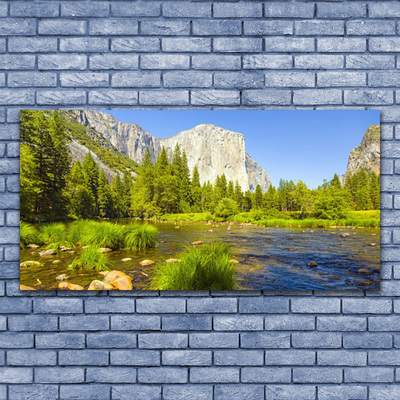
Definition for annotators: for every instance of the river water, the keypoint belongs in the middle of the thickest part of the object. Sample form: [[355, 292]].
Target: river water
[[269, 258]]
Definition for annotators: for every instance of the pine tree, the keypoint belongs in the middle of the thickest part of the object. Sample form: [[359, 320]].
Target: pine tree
[[375, 191], [238, 195], [230, 193], [117, 192], [184, 176], [196, 189], [104, 197], [258, 197], [91, 178]]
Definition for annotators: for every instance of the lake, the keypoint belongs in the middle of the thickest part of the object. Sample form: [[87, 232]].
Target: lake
[[269, 258]]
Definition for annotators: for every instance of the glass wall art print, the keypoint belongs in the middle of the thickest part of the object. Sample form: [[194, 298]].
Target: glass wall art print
[[199, 200]]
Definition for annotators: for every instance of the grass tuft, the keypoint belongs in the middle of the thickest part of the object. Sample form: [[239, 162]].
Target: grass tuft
[[90, 260], [202, 268], [141, 237], [28, 235], [54, 235]]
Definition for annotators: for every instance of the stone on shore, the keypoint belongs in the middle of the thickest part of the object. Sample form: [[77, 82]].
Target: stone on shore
[[32, 246], [122, 283], [126, 259], [99, 285], [233, 261], [112, 276], [62, 277], [46, 253], [146, 263], [30, 264], [344, 235], [70, 286]]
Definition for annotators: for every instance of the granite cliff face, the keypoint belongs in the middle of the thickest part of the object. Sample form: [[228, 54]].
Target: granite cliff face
[[367, 155], [214, 150]]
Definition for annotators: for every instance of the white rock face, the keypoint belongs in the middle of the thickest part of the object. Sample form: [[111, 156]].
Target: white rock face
[[368, 154], [214, 150]]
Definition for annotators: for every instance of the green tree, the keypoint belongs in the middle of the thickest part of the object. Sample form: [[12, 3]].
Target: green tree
[[91, 178], [375, 191], [105, 199], [196, 190], [258, 198], [238, 195], [117, 192], [226, 208]]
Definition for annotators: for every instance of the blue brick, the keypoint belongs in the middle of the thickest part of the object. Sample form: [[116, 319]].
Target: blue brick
[[341, 11], [60, 375], [32, 45], [214, 375], [186, 79], [318, 97], [33, 392], [102, 26], [129, 9], [382, 10], [384, 357], [19, 26], [111, 340], [61, 27], [163, 340], [342, 78], [162, 375], [241, 323], [264, 305], [214, 340], [84, 322], [236, 392], [317, 27], [342, 358], [83, 357], [215, 62], [110, 375], [386, 323], [109, 96], [164, 61], [3, 9], [89, 45], [288, 10], [265, 340], [290, 357], [85, 9], [315, 305], [368, 374], [266, 375], [66, 97], [139, 44], [32, 323], [289, 323], [386, 132], [267, 61], [320, 340], [186, 10], [187, 323], [106, 305], [135, 322], [344, 392], [12, 151], [31, 357], [165, 28], [384, 44], [57, 306], [83, 79], [217, 27], [16, 375], [36, 9], [260, 28], [136, 392], [238, 10], [179, 392], [370, 61], [319, 61], [367, 306], [368, 97], [135, 357], [289, 79], [237, 45], [3, 323], [317, 375], [367, 341], [186, 357], [8, 166], [266, 96], [215, 97], [341, 323], [194, 45], [290, 392], [212, 305], [17, 306], [17, 61], [164, 98], [85, 392], [62, 61], [113, 61], [16, 340], [341, 45], [365, 27]]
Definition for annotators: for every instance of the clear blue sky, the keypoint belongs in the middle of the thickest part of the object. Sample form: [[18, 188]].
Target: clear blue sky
[[294, 144]]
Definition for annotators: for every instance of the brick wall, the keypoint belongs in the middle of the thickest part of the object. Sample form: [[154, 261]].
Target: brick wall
[[200, 345]]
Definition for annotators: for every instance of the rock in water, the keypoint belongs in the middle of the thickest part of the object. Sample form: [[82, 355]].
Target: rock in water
[[32, 246], [345, 235], [56, 262], [46, 253], [105, 250], [99, 285], [197, 242], [112, 276], [126, 259], [234, 261], [122, 283], [312, 264], [30, 264], [70, 286], [365, 271], [146, 263], [62, 277]]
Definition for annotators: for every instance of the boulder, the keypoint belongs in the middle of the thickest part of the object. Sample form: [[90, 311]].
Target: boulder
[[23, 287], [234, 261], [32, 246], [126, 259], [112, 276], [104, 273], [105, 250], [30, 264], [56, 262], [373, 244], [197, 242], [344, 235], [146, 263], [46, 253], [312, 264], [62, 277], [123, 283], [365, 271], [70, 286], [98, 285]]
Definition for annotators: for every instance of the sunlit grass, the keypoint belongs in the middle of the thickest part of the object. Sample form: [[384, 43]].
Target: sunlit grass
[[90, 260], [141, 237], [28, 235], [201, 268]]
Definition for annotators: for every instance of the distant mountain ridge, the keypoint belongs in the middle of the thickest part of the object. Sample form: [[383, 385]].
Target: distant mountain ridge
[[214, 150]]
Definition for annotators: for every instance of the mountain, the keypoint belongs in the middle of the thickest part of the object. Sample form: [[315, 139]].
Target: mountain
[[367, 155], [214, 150]]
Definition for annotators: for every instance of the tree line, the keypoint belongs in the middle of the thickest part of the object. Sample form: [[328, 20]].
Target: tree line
[[53, 189]]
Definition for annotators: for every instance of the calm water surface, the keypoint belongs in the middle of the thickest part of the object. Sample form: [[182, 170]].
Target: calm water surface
[[270, 258]]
